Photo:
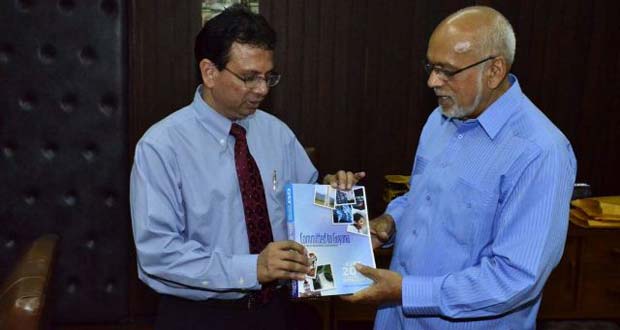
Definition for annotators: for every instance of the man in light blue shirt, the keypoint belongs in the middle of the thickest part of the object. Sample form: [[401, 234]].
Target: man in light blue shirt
[[485, 220], [187, 210]]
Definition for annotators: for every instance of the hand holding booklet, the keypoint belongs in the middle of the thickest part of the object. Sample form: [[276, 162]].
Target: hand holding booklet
[[333, 226]]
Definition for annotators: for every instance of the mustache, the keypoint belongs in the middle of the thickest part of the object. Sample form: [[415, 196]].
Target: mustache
[[439, 93]]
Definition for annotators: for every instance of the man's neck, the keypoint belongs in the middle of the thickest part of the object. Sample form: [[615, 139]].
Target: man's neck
[[494, 95]]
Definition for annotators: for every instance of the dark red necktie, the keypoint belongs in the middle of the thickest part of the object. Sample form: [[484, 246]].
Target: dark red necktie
[[254, 204]]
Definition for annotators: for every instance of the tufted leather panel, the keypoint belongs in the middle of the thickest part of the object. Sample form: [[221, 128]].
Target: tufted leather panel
[[23, 295], [63, 148]]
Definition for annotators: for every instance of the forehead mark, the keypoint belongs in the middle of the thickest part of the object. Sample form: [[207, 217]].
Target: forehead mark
[[462, 47]]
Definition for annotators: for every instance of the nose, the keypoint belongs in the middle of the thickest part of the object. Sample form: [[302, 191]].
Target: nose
[[434, 80], [262, 88]]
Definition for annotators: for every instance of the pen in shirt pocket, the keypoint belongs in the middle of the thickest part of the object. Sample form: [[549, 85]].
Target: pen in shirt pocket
[[274, 180]]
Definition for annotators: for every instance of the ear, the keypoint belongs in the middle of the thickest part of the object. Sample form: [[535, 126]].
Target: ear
[[496, 72], [208, 72]]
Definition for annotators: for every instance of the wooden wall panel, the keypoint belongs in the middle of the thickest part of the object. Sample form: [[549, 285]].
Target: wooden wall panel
[[162, 69], [353, 85], [162, 76], [354, 88]]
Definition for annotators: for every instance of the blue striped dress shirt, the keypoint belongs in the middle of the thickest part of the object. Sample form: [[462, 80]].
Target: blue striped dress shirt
[[186, 208], [485, 220]]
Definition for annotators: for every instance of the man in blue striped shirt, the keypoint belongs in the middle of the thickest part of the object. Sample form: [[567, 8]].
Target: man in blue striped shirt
[[485, 221]]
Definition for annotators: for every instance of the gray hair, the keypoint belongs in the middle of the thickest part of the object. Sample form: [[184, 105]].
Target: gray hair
[[495, 35], [500, 39]]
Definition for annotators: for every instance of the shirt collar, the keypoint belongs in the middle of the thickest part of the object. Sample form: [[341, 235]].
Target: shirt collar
[[216, 124], [497, 114]]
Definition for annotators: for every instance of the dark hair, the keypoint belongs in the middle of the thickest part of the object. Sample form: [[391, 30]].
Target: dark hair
[[357, 216], [235, 24]]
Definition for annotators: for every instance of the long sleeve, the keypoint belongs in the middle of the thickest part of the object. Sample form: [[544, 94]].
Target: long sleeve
[[485, 220], [165, 252], [529, 239], [186, 206]]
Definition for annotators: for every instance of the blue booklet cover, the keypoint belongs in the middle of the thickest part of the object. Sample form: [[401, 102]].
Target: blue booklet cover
[[333, 226]]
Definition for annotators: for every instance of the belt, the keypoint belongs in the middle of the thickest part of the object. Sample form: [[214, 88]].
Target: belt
[[249, 302]]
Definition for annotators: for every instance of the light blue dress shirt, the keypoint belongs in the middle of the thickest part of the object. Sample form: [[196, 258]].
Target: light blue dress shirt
[[186, 208], [485, 220]]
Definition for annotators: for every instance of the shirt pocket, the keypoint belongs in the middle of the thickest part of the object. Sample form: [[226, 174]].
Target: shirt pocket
[[419, 165], [469, 212]]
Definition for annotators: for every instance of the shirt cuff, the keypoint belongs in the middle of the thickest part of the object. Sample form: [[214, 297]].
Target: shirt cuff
[[244, 271], [420, 295], [394, 211]]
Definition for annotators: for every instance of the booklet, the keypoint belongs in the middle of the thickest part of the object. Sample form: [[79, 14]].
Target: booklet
[[333, 226]]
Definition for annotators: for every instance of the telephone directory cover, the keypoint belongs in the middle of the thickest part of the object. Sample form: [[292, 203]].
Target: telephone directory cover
[[333, 226]]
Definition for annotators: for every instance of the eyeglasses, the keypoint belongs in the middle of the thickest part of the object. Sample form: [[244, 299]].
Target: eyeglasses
[[253, 81], [444, 74]]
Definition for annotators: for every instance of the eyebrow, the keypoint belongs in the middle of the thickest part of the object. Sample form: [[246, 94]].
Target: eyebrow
[[442, 64], [254, 72]]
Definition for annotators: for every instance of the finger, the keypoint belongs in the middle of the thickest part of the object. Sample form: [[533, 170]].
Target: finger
[[331, 179], [375, 225], [359, 296], [350, 181], [341, 177], [294, 256], [376, 243], [289, 261], [282, 254], [353, 298], [284, 269], [379, 235], [375, 228], [354, 178], [286, 275], [295, 270], [383, 236], [369, 272], [290, 245]]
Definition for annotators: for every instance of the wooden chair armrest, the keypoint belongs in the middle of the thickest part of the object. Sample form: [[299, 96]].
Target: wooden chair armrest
[[23, 293]]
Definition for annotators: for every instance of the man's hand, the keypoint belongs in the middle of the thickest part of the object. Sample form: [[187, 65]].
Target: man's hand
[[387, 287], [343, 180], [381, 229], [282, 260]]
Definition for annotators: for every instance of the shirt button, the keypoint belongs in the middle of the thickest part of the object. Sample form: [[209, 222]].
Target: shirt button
[[460, 136], [414, 232], [222, 141], [428, 198], [241, 281], [205, 283]]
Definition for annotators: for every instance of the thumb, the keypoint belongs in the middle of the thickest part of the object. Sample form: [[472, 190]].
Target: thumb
[[383, 236], [369, 272], [359, 175]]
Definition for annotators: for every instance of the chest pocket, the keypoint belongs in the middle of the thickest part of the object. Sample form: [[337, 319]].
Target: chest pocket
[[469, 212], [420, 165]]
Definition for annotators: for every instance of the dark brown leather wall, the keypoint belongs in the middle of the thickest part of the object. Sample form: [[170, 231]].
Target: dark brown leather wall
[[63, 148], [352, 73]]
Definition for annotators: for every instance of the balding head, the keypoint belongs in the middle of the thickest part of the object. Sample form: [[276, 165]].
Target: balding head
[[469, 57], [479, 30]]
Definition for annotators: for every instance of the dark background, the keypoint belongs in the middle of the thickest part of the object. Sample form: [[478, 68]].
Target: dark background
[[353, 87], [353, 84]]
